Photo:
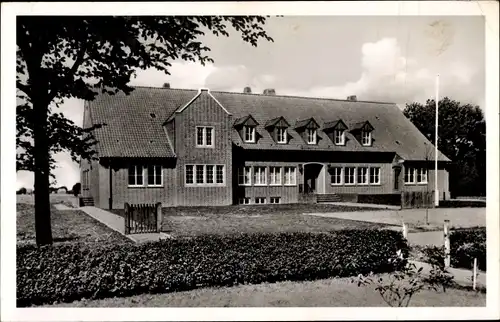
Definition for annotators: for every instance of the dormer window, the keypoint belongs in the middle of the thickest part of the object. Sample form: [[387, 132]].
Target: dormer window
[[366, 138], [336, 131], [311, 136], [339, 137], [362, 131], [281, 135], [277, 128], [247, 129], [249, 133]]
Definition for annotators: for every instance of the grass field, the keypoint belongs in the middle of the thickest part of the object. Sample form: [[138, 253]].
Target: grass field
[[67, 226], [339, 292], [194, 221]]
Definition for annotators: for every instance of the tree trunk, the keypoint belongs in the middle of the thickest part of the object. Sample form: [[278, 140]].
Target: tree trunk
[[42, 171]]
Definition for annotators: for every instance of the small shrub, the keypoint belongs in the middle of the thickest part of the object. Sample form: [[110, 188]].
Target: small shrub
[[72, 272], [467, 244]]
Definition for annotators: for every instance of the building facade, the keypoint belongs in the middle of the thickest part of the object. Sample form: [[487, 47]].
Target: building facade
[[194, 148]]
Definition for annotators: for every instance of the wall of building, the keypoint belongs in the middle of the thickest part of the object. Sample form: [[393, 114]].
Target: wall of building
[[204, 111], [122, 193]]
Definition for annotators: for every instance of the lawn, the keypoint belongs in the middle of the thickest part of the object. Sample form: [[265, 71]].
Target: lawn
[[194, 221], [338, 292], [67, 226]]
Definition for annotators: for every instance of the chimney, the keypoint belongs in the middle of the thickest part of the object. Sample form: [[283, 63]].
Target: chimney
[[166, 85], [352, 98], [269, 91], [247, 90]]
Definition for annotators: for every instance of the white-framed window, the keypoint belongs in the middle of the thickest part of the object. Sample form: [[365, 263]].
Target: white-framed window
[[244, 201], [415, 175], [422, 175], [155, 177], [349, 175], [205, 174], [249, 133], [275, 200], [204, 136], [374, 175], [311, 136], [363, 175], [366, 138], [189, 174], [410, 175], [275, 176], [336, 176], [281, 135], [135, 176], [259, 176], [260, 200], [209, 173], [290, 176], [245, 176], [219, 174], [339, 137]]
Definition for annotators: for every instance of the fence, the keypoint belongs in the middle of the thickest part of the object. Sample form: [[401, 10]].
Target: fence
[[143, 218], [417, 199]]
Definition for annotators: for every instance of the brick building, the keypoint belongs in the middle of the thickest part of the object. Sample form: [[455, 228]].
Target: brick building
[[187, 147]]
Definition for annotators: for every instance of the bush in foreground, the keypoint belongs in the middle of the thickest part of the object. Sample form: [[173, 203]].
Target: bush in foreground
[[467, 244], [72, 272]]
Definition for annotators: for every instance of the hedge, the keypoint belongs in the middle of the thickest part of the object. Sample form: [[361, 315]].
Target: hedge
[[462, 204], [69, 272], [467, 244]]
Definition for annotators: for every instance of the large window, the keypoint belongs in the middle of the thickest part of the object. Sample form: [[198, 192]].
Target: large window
[[355, 175], [374, 175], [205, 174], [336, 176], [259, 174], [155, 177], [415, 175], [249, 132], [350, 175], [311, 136], [363, 175], [290, 176], [275, 176], [366, 138], [281, 135], [204, 136], [244, 201], [339, 137], [135, 176], [245, 176]]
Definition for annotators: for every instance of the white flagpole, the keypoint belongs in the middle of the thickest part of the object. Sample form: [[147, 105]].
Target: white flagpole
[[436, 194]]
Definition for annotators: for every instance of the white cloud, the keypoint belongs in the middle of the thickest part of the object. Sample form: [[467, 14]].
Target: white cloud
[[387, 75]]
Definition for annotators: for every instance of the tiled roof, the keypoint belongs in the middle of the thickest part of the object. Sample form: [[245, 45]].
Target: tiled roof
[[134, 122], [129, 122]]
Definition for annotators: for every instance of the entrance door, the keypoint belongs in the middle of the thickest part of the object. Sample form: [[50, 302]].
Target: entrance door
[[313, 180]]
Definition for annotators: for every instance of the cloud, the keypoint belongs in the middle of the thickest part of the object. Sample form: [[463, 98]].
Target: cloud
[[387, 75]]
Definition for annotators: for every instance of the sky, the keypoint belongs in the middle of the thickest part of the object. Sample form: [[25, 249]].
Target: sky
[[391, 59]]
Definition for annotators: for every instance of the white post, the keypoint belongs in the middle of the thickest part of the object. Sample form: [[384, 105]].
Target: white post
[[474, 277], [447, 256], [405, 230], [436, 190]]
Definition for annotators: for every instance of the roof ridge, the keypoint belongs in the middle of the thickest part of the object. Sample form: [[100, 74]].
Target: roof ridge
[[274, 95]]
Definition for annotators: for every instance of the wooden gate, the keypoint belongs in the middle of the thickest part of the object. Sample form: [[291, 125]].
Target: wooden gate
[[142, 218], [417, 199]]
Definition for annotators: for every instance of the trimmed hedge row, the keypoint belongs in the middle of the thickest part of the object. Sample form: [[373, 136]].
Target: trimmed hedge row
[[67, 273], [467, 244], [461, 204], [393, 199]]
